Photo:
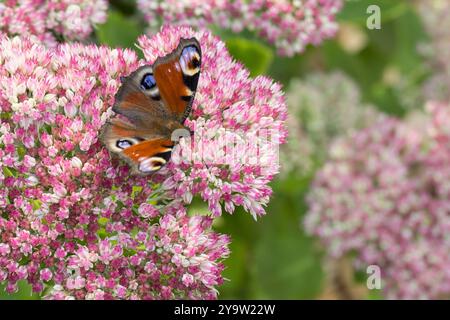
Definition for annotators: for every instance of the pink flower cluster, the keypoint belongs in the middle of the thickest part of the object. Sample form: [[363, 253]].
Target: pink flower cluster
[[385, 195], [173, 258], [289, 25], [322, 107], [73, 220], [231, 114], [42, 20]]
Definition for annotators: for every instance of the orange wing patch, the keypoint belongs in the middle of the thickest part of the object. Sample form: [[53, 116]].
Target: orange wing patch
[[148, 149], [169, 78]]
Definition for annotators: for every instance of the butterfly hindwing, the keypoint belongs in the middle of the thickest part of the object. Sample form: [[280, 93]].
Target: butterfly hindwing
[[141, 148], [150, 155], [153, 101]]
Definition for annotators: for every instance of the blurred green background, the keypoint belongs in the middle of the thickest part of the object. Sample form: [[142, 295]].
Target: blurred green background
[[272, 258]]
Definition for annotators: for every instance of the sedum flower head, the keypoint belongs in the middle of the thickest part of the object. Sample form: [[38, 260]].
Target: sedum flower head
[[47, 20], [72, 219], [289, 25], [384, 195], [238, 125], [322, 107]]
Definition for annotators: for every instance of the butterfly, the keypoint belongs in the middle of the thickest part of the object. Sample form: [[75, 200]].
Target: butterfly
[[153, 102]]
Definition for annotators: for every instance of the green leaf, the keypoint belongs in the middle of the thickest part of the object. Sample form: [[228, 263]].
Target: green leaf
[[9, 172], [198, 207], [119, 31], [409, 34], [254, 55], [243, 230], [36, 203], [24, 292], [135, 191], [375, 295], [126, 6], [286, 264], [103, 221], [101, 232], [235, 273], [21, 151], [356, 11], [5, 115]]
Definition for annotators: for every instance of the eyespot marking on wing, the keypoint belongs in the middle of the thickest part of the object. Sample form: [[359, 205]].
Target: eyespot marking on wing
[[152, 164], [190, 61], [148, 84], [123, 143], [148, 81], [119, 145]]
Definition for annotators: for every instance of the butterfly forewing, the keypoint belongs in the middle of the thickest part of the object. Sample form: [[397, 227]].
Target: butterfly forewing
[[177, 79]]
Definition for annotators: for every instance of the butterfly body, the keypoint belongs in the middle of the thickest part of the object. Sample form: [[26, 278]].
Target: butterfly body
[[152, 103]]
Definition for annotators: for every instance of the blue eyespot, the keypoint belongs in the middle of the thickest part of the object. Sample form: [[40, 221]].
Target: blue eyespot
[[189, 51], [123, 144], [148, 82], [192, 57], [190, 61]]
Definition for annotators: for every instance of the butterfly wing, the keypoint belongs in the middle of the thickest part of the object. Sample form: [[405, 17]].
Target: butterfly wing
[[166, 89], [154, 101], [138, 98], [144, 149], [177, 76]]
